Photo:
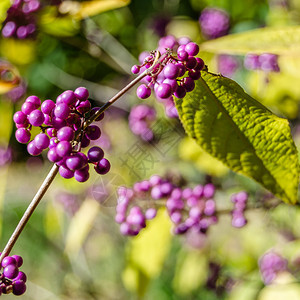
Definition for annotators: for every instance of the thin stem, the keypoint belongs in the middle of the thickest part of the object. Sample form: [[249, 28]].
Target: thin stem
[[157, 60], [53, 172], [30, 209]]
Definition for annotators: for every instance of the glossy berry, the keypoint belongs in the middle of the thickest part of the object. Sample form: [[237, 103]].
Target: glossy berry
[[103, 166], [95, 154], [143, 92]]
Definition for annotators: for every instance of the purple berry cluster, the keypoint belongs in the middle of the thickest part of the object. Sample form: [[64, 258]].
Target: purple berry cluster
[[266, 62], [240, 203], [271, 264], [63, 132], [175, 74], [11, 279], [214, 23], [21, 19], [140, 119], [187, 208]]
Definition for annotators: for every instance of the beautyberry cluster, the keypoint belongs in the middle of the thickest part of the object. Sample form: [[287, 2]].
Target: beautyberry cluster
[[175, 73], [21, 19], [271, 264], [140, 118], [11, 279], [214, 23], [63, 131], [240, 202], [187, 208], [266, 62]]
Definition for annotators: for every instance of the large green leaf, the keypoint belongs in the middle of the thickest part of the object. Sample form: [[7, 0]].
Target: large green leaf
[[242, 133], [284, 40]]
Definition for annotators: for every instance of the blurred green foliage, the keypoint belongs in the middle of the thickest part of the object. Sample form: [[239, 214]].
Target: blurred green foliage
[[83, 256]]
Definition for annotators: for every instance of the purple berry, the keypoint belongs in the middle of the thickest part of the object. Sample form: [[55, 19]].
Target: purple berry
[[36, 101], [103, 166], [192, 49], [143, 92], [65, 134], [36, 118], [63, 148], [19, 287], [33, 150], [11, 271], [41, 141], [68, 97], [65, 172], [93, 132], [62, 111], [81, 93], [95, 154], [20, 117], [47, 106], [23, 135], [164, 91]]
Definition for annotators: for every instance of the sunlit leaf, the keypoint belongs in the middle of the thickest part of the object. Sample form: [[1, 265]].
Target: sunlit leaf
[[190, 151], [19, 52], [191, 272], [147, 252], [59, 26], [242, 133], [81, 10], [284, 40], [80, 226]]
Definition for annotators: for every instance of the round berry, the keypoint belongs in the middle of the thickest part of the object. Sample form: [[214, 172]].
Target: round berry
[[192, 49], [20, 117], [65, 134], [19, 287], [47, 106], [11, 271], [19, 260], [74, 162], [68, 97], [23, 135], [8, 260], [103, 166], [143, 91], [65, 172], [36, 101], [63, 148], [62, 110], [95, 154], [33, 150], [41, 141], [93, 132], [164, 91], [36, 118], [81, 175], [27, 108], [81, 93], [171, 71]]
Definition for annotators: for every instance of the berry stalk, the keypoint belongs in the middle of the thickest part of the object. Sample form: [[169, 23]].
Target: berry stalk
[[29, 211], [122, 92]]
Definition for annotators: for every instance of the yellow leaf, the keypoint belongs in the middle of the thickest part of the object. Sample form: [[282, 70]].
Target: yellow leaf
[[282, 40], [148, 250], [191, 272], [17, 51], [81, 10], [80, 226]]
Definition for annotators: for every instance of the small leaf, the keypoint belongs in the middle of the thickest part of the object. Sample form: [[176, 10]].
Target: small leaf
[[283, 40], [242, 133]]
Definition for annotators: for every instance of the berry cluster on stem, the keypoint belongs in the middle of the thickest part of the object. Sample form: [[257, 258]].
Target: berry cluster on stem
[[12, 280], [63, 132]]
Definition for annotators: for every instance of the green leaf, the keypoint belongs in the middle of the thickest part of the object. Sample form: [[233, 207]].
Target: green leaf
[[242, 133], [284, 40]]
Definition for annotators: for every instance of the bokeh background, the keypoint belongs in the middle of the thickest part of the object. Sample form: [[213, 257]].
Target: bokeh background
[[72, 247]]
